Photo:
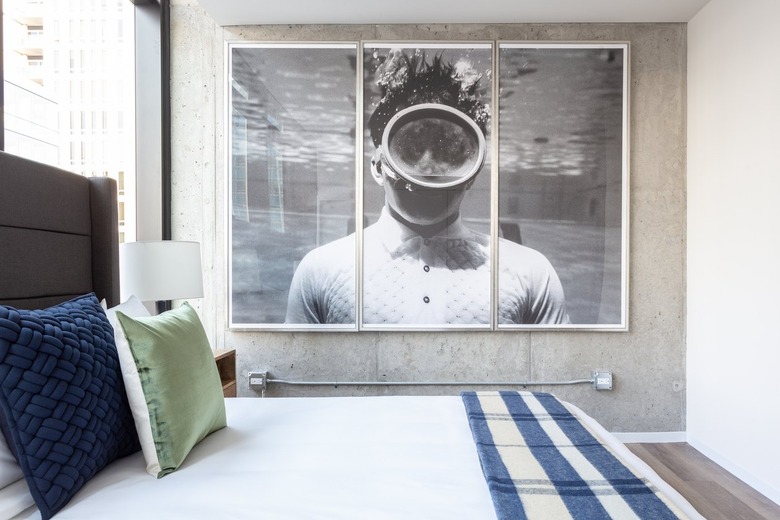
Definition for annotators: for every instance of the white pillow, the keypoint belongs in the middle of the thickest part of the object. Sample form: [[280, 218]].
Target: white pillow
[[15, 498], [15, 495], [10, 471], [138, 407], [131, 307]]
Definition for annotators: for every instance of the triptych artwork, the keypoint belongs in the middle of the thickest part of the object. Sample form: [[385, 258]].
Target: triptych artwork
[[427, 186]]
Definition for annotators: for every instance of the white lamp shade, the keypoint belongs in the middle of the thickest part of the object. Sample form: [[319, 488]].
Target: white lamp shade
[[160, 270]]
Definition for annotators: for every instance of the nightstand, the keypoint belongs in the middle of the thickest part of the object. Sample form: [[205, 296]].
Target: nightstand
[[226, 364]]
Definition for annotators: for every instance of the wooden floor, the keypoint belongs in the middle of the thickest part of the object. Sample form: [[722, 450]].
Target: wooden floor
[[713, 491]]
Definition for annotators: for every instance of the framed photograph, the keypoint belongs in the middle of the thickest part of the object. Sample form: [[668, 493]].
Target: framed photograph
[[426, 197], [428, 186], [292, 113], [563, 185]]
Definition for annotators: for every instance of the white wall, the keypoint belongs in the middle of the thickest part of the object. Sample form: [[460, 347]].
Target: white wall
[[733, 238]]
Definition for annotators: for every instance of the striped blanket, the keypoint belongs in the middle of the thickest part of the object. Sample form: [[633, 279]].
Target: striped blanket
[[541, 462]]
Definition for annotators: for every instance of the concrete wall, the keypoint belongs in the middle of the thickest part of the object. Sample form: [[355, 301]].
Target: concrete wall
[[648, 362], [733, 240]]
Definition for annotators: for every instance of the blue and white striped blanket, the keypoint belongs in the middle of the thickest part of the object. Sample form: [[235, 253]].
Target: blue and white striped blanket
[[541, 462]]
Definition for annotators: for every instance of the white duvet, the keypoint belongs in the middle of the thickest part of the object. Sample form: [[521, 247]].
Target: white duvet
[[316, 458]]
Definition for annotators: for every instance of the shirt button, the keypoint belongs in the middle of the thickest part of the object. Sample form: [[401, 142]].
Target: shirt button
[[426, 299], [426, 268], [427, 241]]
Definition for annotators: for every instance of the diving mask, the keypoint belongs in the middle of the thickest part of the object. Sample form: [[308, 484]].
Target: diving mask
[[433, 146]]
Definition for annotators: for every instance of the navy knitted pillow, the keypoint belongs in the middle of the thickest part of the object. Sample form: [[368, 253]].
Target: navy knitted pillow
[[63, 407]]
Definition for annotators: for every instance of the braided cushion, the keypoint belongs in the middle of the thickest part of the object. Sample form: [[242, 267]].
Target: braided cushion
[[63, 407]]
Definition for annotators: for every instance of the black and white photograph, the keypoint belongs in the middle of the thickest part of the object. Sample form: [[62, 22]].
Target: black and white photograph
[[563, 183], [292, 142], [426, 185], [399, 226]]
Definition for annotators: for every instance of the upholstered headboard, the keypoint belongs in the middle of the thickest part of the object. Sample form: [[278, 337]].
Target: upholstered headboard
[[58, 235]]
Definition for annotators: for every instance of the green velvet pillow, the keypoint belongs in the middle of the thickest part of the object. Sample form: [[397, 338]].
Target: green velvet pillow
[[179, 386]]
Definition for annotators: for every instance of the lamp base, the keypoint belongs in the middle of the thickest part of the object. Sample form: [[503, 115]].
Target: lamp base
[[163, 305]]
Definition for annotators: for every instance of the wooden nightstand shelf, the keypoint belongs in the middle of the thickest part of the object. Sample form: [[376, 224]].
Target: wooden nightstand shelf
[[226, 364]]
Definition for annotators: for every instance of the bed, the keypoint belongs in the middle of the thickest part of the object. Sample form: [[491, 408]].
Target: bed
[[483, 455]]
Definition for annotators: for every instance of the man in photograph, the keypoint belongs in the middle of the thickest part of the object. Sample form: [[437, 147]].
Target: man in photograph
[[421, 264]]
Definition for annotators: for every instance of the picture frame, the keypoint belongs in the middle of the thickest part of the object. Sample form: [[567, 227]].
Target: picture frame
[[563, 172], [438, 280], [291, 157], [539, 240]]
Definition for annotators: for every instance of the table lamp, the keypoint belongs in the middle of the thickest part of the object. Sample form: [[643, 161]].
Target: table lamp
[[160, 271]]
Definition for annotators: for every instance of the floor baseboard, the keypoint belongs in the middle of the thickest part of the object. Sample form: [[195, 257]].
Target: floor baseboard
[[651, 437]]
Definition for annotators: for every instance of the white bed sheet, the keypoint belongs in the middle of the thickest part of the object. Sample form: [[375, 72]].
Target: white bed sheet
[[338, 458]]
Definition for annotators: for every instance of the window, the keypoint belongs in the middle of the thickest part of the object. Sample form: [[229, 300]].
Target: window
[[53, 80]]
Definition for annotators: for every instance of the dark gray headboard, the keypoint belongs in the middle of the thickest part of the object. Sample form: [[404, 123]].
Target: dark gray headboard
[[58, 235]]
